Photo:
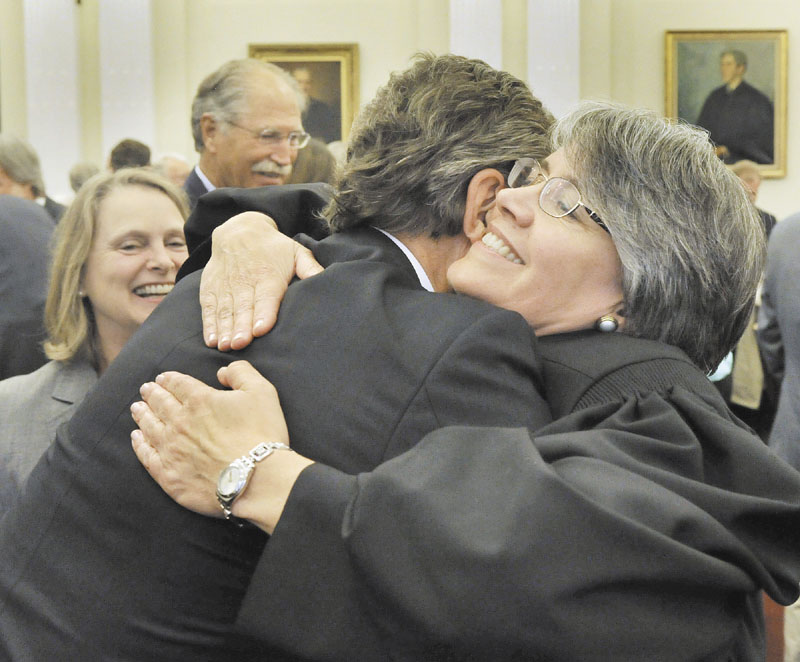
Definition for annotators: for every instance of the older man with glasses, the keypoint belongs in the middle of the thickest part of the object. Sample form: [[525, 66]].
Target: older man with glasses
[[247, 127]]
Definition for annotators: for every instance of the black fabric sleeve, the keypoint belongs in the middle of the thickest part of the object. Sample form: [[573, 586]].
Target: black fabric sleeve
[[641, 530], [295, 208]]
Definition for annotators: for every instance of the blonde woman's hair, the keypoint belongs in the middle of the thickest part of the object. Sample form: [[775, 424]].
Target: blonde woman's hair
[[68, 316]]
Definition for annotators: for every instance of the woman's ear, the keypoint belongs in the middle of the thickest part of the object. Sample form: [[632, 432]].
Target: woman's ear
[[481, 194]]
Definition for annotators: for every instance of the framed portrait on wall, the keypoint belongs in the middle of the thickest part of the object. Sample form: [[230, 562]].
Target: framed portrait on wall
[[732, 83], [328, 76]]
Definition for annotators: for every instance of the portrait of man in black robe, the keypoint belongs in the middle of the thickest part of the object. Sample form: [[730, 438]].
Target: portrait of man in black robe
[[738, 116]]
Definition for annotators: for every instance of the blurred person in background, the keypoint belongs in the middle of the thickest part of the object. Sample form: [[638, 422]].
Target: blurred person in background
[[25, 232], [129, 153], [174, 167], [21, 175], [750, 176], [80, 173]]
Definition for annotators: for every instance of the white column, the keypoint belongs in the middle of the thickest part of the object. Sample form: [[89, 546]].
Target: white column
[[52, 89], [126, 72], [476, 30], [554, 52]]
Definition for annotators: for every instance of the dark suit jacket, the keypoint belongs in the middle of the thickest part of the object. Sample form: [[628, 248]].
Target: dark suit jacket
[[98, 562], [194, 188], [779, 335], [25, 231], [55, 209]]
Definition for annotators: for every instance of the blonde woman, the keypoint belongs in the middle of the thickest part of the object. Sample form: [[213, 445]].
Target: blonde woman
[[115, 256]]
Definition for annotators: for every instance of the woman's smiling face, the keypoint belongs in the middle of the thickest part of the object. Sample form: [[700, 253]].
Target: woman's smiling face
[[560, 274], [135, 255]]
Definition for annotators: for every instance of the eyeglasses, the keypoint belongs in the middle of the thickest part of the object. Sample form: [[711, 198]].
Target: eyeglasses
[[559, 197], [296, 139]]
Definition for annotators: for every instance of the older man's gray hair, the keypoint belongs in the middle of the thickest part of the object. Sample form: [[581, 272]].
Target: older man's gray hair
[[223, 93]]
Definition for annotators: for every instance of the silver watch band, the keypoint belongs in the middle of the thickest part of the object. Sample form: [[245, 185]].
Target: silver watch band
[[257, 453]]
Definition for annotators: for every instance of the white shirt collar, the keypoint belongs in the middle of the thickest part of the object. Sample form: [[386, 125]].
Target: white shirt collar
[[206, 181], [421, 275]]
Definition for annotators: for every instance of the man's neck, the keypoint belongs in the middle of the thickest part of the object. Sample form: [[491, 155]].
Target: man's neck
[[733, 84], [436, 255], [208, 169]]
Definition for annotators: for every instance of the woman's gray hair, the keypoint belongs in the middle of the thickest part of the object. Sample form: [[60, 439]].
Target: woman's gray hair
[[21, 163], [692, 246], [415, 147], [223, 93]]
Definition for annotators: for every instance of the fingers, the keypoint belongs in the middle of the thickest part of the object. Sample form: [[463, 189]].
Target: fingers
[[269, 294], [244, 282], [147, 455], [224, 314], [217, 312], [242, 323], [242, 376], [305, 264], [208, 311], [172, 389], [266, 303]]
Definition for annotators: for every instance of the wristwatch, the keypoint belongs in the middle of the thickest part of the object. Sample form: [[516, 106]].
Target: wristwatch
[[234, 478]]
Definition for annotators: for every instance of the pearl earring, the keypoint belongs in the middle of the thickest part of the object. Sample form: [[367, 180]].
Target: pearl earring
[[607, 324]]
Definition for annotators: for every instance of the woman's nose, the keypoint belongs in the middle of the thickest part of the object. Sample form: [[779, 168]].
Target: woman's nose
[[160, 259], [519, 204]]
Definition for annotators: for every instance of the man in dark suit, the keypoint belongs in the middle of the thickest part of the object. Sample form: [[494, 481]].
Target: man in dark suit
[[247, 127], [779, 335], [779, 342], [25, 230], [98, 562], [21, 175]]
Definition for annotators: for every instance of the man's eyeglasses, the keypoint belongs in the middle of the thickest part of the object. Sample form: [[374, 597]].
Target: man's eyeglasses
[[559, 197], [296, 139]]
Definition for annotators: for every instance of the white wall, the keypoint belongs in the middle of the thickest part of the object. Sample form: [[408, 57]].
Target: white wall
[[196, 36], [622, 58], [621, 44]]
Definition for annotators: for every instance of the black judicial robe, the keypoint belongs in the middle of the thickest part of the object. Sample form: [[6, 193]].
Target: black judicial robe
[[642, 524], [742, 120]]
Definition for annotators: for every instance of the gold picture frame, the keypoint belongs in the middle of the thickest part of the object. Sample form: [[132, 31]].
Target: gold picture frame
[[329, 73], [694, 90]]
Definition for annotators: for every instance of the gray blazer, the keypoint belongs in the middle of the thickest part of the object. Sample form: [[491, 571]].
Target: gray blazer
[[31, 408], [779, 334]]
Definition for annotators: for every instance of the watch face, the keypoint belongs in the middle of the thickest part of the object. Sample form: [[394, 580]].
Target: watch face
[[232, 480]]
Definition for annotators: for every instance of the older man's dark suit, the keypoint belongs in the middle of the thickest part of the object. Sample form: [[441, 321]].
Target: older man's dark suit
[[98, 563], [194, 188]]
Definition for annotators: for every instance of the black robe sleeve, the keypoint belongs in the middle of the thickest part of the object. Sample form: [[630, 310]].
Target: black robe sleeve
[[637, 530]]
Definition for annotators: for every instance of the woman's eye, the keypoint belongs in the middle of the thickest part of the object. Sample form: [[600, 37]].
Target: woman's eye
[[177, 243]]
